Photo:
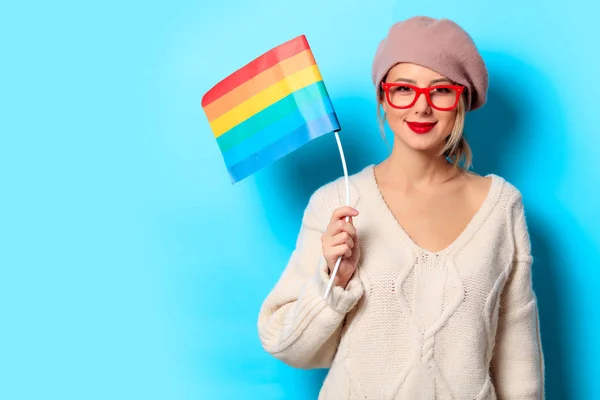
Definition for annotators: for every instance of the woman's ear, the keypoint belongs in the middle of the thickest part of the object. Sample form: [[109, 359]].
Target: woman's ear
[[382, 102]]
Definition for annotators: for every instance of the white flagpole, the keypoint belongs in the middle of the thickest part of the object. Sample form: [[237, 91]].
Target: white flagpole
[[337, 264]]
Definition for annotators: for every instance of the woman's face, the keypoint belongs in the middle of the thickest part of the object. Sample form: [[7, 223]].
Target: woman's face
[[424, 138]]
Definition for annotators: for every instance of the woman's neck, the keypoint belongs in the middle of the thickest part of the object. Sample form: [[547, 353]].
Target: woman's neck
[[407, 169]]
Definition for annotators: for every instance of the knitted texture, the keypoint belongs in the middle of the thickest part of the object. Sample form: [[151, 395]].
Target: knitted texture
[[461, 323]]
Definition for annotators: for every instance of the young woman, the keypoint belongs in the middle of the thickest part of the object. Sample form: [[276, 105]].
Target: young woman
[[433, 298]]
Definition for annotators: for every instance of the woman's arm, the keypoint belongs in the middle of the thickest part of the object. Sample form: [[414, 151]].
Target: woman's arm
[[517, 365], [295, 324]]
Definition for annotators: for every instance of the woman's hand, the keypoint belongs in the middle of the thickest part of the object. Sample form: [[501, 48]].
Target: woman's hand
[[340, 239]]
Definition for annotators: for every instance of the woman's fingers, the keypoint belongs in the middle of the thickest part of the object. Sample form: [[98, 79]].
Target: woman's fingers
[[340, 237], [341, 226], [342, 250], [343, 238], [341, 213]]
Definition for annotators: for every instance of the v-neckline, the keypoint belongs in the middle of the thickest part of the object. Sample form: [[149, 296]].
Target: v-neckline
[[475, 221]]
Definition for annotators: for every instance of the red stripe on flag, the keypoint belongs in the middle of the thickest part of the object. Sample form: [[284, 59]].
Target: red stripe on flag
[[255, 67]]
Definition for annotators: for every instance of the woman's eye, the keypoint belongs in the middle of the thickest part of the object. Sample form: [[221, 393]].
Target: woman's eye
[[441, 90], [402, 89]]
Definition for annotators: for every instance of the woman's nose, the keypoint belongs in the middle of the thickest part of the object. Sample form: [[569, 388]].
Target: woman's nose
[[422, 106]]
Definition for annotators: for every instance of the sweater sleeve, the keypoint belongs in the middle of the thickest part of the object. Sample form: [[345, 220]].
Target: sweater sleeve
[[295, 323], [517, 365]]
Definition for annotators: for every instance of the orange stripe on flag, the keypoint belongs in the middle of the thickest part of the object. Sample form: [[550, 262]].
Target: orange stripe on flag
[[259, 83], [258, 65]]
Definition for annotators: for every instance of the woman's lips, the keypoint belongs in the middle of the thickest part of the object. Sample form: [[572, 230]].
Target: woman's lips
[[421, 127]]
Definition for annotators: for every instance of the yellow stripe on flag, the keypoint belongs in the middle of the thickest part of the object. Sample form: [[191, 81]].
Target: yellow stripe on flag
[[264, 99], [258, 83]]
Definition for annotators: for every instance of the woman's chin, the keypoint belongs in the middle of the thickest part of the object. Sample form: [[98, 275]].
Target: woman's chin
[[422, 142]]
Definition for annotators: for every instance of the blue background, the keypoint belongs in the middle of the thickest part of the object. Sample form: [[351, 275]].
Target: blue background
[[130, 267]]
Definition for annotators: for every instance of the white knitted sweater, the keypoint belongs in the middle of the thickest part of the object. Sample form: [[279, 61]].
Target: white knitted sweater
[[461, 323]]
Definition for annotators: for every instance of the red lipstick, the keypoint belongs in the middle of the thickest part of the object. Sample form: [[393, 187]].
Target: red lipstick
[[421, 127]]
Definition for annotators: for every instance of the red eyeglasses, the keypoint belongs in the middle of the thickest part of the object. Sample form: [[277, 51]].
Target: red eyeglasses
[[403, 95]]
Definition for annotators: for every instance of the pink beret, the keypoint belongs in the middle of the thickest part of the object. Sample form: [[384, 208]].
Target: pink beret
[[440, 45]]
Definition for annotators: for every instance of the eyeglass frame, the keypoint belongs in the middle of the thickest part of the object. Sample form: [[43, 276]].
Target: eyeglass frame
[[385, 86]]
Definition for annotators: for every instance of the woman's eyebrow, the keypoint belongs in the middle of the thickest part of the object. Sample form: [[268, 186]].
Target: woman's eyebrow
[[405, 80], [440, 80], [415, 82]]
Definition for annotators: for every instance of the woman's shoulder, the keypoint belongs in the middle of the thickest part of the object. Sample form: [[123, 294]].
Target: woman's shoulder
[[492, 182], [510, 190], [503, 208], [497, 195]]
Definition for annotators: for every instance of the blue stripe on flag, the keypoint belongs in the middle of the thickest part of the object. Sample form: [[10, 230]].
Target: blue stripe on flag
[[277, 130], [287, 144]]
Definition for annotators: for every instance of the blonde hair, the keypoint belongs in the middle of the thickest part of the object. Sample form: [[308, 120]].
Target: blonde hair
[[457, 150]]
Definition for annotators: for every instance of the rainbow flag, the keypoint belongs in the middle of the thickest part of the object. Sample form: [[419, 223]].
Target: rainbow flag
[[269, 108]]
